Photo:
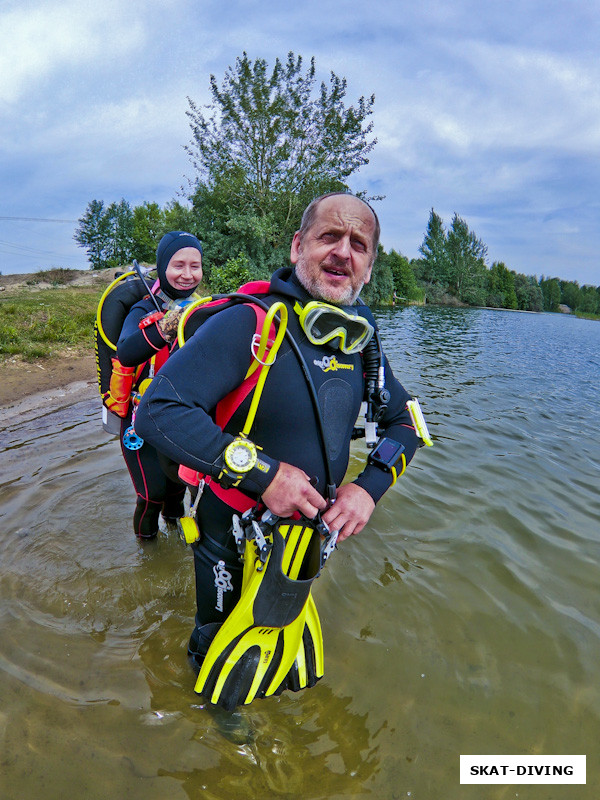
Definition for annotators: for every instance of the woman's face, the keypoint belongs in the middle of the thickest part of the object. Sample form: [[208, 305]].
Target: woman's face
[[184, 270]]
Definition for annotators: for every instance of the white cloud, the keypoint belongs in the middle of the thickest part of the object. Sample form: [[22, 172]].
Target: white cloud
[[483, 97], [131, 148], [39, 41], [490, 111], [530, 98]]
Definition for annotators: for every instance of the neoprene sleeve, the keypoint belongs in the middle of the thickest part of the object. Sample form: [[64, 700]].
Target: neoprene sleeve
[[134, 347]]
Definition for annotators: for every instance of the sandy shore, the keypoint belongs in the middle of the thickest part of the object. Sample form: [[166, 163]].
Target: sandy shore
[[58, 382], [55, 381]]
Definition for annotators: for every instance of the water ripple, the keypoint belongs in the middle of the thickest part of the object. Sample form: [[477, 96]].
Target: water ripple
[[465, 618]]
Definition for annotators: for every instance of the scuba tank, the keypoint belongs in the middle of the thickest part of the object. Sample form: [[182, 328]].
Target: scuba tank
[[114, 305]]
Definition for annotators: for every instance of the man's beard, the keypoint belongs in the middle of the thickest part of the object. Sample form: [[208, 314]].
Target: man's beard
[[312, 285]]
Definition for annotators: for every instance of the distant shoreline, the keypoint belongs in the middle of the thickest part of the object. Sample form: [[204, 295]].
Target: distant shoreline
[[20, 379]]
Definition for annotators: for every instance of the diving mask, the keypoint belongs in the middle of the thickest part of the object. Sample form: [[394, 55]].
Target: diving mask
[[323, 323]]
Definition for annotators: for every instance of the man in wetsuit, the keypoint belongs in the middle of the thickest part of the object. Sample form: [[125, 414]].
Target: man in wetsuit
[[332, 254]]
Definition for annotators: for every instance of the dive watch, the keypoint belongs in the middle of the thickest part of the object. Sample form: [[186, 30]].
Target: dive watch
[[239, 458]]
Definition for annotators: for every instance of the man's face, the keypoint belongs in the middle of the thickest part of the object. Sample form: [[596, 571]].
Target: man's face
[[335, 255]]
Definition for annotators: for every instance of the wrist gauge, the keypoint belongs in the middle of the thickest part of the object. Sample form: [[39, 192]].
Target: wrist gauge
[[386, 454], [238, 459]]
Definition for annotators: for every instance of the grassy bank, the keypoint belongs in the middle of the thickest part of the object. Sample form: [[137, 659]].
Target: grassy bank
[[39, 324], [581, 315]]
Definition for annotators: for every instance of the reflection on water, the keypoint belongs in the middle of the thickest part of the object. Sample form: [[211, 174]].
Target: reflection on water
[[465, 619]]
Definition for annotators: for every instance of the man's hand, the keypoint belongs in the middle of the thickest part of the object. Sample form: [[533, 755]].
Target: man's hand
[[350, 512], [291, 490]]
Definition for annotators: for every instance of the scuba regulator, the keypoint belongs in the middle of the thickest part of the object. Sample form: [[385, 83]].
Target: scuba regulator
[[376, 396]]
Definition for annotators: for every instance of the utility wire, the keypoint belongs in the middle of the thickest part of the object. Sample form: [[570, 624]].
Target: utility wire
[[24, 250], [39, 219]]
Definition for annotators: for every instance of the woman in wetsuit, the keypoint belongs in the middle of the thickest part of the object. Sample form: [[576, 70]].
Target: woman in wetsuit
[[144, 343]]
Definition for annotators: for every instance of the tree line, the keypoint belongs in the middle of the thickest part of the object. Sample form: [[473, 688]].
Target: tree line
[[115, 234], [452, 268], [453, 264], [270, 141]]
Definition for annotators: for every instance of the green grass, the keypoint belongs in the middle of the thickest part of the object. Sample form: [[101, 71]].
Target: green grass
[[39, 324], [583, 315]]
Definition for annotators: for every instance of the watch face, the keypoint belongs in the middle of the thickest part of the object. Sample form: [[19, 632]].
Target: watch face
[[388, 450], [240, 457]]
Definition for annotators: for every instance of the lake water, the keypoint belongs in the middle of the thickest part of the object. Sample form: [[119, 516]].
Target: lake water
[[465, 619]]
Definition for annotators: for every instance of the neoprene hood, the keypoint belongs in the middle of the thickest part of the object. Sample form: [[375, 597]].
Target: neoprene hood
[[167, 247]]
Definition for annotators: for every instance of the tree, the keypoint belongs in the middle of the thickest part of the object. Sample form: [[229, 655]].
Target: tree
[[501, 286], [529, 293], [551, 293], [590, 300], [148, 227], [434, 266], [229, 277], [120, 216], [570, 294], [115, 235], [405, 283], [267, 146], [107, 234], [380, 288], [93, 232], [177, 217], [466, 256]]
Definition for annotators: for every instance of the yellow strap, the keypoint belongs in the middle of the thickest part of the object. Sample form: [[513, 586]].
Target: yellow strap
[[403, 465], [266, 363], [262, 346], [263, 358], [396, 475]]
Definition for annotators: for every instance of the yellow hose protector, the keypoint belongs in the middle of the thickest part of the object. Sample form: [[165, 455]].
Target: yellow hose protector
[[262, 348], [105, 294], [185, 316], [418, 420]]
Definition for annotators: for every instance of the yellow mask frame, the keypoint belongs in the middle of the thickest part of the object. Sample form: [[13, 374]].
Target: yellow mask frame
[[323, 323]]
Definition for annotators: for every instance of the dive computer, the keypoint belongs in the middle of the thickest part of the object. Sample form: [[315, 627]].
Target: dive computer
[[239, 458], [386, 454]]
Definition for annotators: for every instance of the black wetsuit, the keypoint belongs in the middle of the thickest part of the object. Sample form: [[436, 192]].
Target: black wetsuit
[[177, 416], [155, 491]]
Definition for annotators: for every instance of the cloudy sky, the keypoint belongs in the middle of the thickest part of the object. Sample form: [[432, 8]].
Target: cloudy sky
[[490, 110]]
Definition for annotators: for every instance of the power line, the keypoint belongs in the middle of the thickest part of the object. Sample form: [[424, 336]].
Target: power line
[[25, 250], [38, 219]]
